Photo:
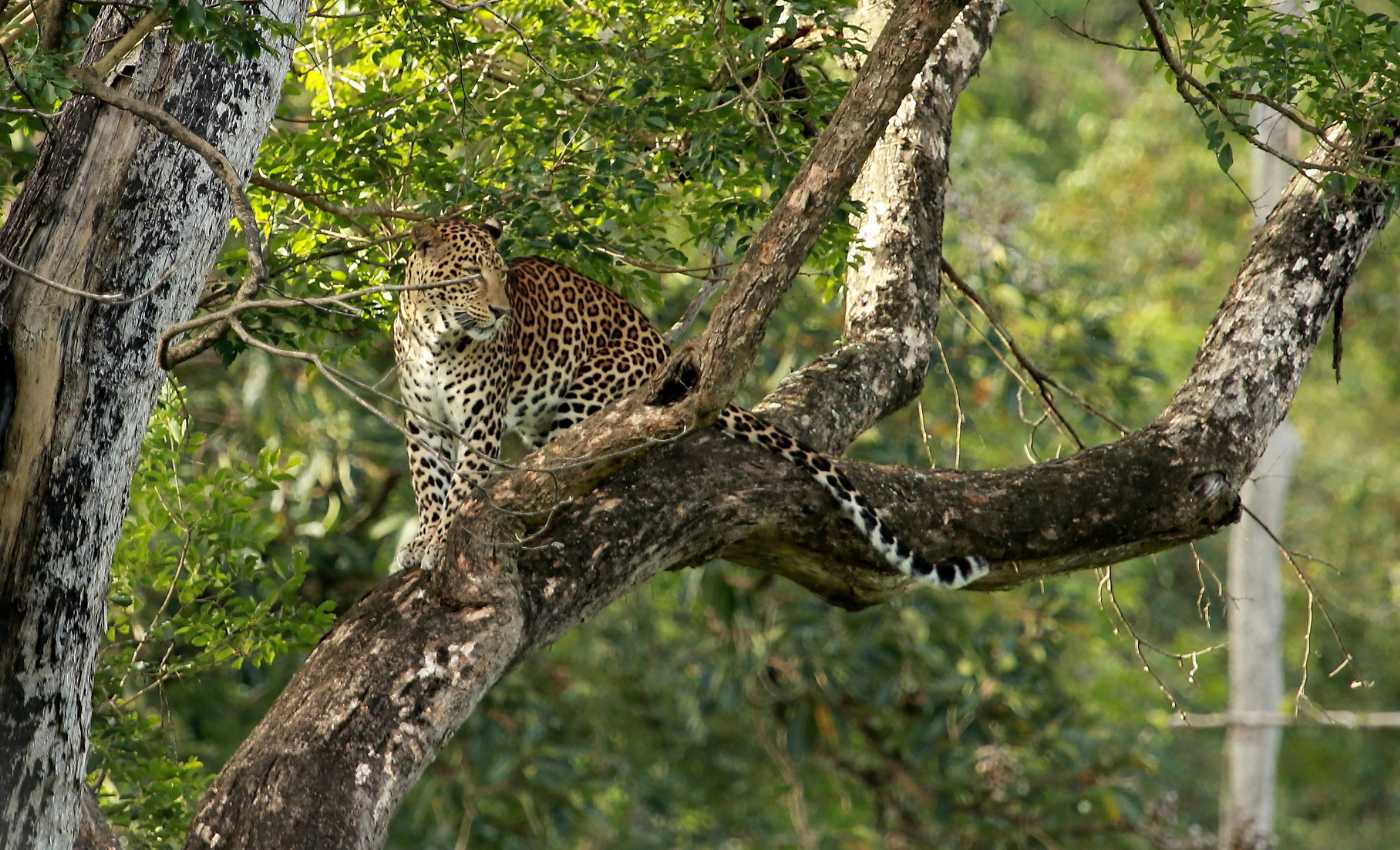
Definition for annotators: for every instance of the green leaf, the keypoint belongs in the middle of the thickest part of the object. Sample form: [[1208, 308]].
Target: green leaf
[[1225, 157]]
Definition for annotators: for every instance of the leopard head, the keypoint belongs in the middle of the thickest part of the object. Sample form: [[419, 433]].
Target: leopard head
[[464, 255]]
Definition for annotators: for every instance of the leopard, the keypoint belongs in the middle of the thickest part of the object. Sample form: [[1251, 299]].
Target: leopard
[[533, 347]]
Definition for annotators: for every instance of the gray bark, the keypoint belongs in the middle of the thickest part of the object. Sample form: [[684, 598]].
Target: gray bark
[[94, 833], [111, 206], [893, 284], [716, 362]]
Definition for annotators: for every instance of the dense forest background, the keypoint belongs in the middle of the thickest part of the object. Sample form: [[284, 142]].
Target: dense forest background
[[1091, 211]]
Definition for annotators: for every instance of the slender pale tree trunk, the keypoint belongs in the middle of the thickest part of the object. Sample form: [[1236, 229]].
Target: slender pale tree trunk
[[1256, 649], [1255, 612], [111, 206]]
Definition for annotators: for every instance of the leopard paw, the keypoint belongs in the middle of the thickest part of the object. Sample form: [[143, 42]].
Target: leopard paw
[[422, 552]]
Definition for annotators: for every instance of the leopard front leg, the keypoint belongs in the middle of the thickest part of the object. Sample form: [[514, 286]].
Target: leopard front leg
[[431, 457], [475, 461], [477, 456]]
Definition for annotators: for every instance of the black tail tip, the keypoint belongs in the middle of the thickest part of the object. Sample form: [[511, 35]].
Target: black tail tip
[[950, 573]]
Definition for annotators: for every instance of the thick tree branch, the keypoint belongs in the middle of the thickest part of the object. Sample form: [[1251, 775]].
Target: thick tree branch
[[451, 635], [892, 285], [773, 260], [1175, 480], [725, 352], [94, 833]]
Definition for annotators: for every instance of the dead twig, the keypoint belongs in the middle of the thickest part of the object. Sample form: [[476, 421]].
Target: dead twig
[[327, 253], [19, 87], [320, 203], [1043, 380], [99, 297], [232, 311], [1140, 644], [1313, 602]]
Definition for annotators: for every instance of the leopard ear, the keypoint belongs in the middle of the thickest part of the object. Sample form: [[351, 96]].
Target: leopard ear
[[423, 235], [493, 227]]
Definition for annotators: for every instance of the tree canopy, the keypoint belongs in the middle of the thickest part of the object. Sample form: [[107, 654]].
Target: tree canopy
[[1095, 216]]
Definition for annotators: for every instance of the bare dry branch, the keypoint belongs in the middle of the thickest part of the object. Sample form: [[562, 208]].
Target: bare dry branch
[[1043, 380], [99, 297], [320, 203], [233, 310], [103, 67]]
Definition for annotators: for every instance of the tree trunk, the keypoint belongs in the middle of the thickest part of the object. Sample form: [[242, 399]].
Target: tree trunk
[[1255, 616], [112, 206]]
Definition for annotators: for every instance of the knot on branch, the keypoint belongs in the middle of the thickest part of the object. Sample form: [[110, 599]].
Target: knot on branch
[[1220, 502], [479, 568], [677, 378]]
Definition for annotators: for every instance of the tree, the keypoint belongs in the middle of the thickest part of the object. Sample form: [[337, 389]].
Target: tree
[[361, 733], [135, 219]]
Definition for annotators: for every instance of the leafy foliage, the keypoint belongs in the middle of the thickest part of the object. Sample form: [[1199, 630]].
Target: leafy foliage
[[196, 590], [1332, 62]]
